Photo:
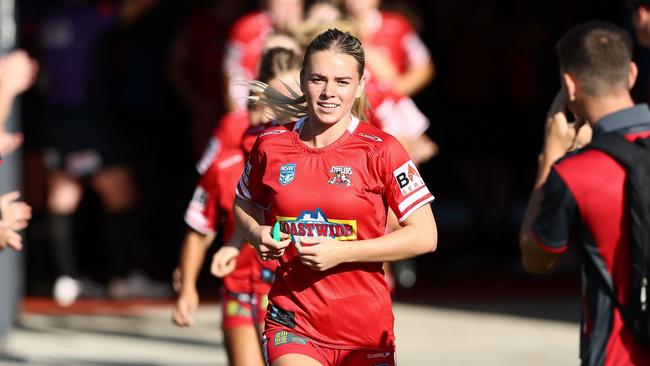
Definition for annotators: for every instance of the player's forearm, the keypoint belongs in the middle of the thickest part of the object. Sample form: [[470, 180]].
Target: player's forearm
[[415, 79], [192, 257], [248, 219], [418, 236], [237, 239]]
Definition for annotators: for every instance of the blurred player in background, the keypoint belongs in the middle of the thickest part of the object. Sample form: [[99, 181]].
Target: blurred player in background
[[247, 279], [246, 43], [395, 52]]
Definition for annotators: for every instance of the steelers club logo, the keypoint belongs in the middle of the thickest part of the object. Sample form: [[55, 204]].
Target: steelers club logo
[[408, 178], [340, 176], [315, 224]]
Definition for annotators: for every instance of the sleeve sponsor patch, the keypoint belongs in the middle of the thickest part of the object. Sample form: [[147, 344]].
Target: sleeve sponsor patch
[[408, 178], [199, 199]]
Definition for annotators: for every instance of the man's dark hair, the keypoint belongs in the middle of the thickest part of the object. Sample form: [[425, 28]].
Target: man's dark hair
[[637, 3], [598, 55]]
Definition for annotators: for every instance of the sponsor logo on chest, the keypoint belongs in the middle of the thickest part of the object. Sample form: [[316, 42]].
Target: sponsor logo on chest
[[341, 176], [287, 173], [408, 178], [315, 224]]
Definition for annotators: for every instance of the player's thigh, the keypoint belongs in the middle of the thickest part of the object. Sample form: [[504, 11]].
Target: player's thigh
[[243, 346], [286, 348], [293, 359]]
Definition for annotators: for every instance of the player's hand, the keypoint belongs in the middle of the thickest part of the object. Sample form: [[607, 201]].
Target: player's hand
[[421, 149], [320, 253], [184, 308], [224, 261], [267, 248], [15, 215], [9, 238], [9, 141]]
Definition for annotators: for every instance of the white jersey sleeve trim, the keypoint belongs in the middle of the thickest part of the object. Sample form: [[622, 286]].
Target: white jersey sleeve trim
[[413, 198], [417, 52], [242, 190], [197, 222], [354, 123], [414, 208], [417, 124]]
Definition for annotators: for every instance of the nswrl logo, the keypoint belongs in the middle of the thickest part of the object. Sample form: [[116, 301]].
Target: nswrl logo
[[287, 173]]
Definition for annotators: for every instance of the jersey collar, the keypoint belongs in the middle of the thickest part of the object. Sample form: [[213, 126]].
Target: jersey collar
[[354, 123]]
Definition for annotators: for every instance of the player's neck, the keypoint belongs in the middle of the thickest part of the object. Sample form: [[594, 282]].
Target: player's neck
[[316, 134], [596, 108]]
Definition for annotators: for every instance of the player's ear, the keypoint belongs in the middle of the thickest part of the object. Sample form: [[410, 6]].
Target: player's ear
[[570, 86], [634, 72]]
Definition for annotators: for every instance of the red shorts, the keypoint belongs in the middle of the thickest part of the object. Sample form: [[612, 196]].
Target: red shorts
[[245, 290], [280, 342], [243, 309]]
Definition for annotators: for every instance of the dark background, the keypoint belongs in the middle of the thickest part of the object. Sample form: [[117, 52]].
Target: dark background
[[496, 74]]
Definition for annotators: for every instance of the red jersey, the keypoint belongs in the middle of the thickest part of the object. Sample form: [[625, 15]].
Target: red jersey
[[226, 136], [221, 166], [393, 36], [343, 191], [390, 109], [212, 199], [244, 52]]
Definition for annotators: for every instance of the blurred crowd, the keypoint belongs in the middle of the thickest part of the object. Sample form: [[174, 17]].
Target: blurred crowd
[[125, 102], [129, 92]]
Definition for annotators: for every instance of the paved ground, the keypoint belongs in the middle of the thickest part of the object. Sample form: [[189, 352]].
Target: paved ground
[[141, 335]]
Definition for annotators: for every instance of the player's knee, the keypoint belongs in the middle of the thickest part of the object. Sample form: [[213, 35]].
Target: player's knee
[[116, 189], [64, 198]]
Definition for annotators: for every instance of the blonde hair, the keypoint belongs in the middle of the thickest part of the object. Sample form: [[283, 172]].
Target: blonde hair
[[294, 107]]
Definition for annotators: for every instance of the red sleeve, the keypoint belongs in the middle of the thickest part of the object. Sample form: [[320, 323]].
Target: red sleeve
[[250, 184], [404, 188], [209, 154], [201, 214]]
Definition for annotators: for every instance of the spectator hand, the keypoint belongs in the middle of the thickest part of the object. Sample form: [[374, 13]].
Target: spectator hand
[[224, 261], [15, 215], [9, 141], [17, 72], [9, 238], [320, 253]]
